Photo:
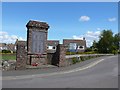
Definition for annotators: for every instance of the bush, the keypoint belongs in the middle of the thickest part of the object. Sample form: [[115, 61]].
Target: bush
[[115, 52], [88, 50], [75, 60], [82, 58], [6, 51]]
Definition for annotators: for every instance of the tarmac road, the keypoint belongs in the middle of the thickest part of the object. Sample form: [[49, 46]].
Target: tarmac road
[[101, 72]]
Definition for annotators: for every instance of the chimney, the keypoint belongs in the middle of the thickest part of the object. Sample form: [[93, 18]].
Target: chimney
[[83, 38]]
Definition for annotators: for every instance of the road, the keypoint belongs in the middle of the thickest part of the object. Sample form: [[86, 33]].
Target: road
[[101, 72]]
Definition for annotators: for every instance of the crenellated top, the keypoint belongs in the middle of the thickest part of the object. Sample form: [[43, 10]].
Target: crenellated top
[[37, 24]]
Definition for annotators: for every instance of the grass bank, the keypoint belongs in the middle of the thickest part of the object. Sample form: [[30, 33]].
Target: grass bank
[[8, 56]]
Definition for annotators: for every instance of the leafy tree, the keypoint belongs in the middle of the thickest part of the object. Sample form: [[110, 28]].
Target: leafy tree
[[105, 42], [95, 46], [116, 41], [88, 49]]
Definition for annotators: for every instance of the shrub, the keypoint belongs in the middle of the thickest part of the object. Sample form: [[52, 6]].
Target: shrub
[[82, 58], [75, 60], [6, 51]]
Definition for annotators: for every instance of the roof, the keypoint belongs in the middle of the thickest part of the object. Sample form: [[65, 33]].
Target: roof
[[22, 43], [2, 44], [67, 41], [10, 46], [73, 39], [52, 42]]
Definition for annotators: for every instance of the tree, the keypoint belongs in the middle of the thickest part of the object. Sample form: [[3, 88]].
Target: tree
[[106, 41], [95, 46], [116, 40]]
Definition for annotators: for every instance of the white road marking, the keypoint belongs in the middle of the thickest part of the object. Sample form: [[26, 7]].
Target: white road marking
[[55, 73]]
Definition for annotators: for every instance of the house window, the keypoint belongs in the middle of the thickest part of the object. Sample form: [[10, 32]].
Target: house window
[[50, 47], [54, 47], [81, 47], [1, 48], [72, 46], [15, 48]]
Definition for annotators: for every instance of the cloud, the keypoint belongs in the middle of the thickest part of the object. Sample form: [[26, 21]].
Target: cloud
[[6, 38], [90, 36], [98, 28], [112, 19], [77, 37], [84, 18]]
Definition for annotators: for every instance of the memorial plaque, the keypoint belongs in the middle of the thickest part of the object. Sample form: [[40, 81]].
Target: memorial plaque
[[38, 42]]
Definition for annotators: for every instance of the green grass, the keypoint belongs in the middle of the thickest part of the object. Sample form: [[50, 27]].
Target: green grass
[[8, 56]]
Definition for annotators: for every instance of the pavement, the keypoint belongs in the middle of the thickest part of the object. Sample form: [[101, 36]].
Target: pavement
[[100, 72]]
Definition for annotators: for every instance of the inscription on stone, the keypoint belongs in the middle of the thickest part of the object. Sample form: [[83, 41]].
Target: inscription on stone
[[38, 42]]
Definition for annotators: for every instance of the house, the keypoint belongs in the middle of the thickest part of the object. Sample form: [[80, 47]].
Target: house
[[52, 44], [75, 45], [11, 47], [17, 42], [3, 46]]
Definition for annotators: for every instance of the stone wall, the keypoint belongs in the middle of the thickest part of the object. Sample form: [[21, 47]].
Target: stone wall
[[21, 56]]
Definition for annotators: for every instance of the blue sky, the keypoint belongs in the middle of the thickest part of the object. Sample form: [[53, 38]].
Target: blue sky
[[66, 20]]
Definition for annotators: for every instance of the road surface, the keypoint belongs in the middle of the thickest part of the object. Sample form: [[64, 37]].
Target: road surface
[[101, 72]]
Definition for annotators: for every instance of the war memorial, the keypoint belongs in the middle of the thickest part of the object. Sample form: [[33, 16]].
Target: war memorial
[[36, 50]]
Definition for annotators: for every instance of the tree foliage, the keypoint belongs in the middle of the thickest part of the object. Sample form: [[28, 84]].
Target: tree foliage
[[108, 43]]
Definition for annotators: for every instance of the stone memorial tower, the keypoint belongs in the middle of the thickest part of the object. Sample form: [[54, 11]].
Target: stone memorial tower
[[37, 42]]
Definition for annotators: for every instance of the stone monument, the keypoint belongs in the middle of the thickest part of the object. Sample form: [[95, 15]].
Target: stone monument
[[37, 42]]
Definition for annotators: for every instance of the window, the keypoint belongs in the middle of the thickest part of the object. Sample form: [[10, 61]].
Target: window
[[50, 47], [54, 47], [72, 46], [81, 47]]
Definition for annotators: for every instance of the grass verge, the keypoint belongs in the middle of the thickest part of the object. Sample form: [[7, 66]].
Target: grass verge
[[8, 56]]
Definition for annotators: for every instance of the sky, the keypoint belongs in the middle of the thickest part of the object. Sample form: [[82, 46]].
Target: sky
[[67, 20]]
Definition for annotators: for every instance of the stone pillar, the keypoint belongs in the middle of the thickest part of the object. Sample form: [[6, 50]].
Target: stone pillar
[[21, 56], [37, 42], [59, 56], [62, 54]]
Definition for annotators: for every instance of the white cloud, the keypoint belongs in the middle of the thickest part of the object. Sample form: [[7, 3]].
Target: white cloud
[[77, 37], [90, 36], [6, 38], [84, 18], [98, 28], [112, 19]]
